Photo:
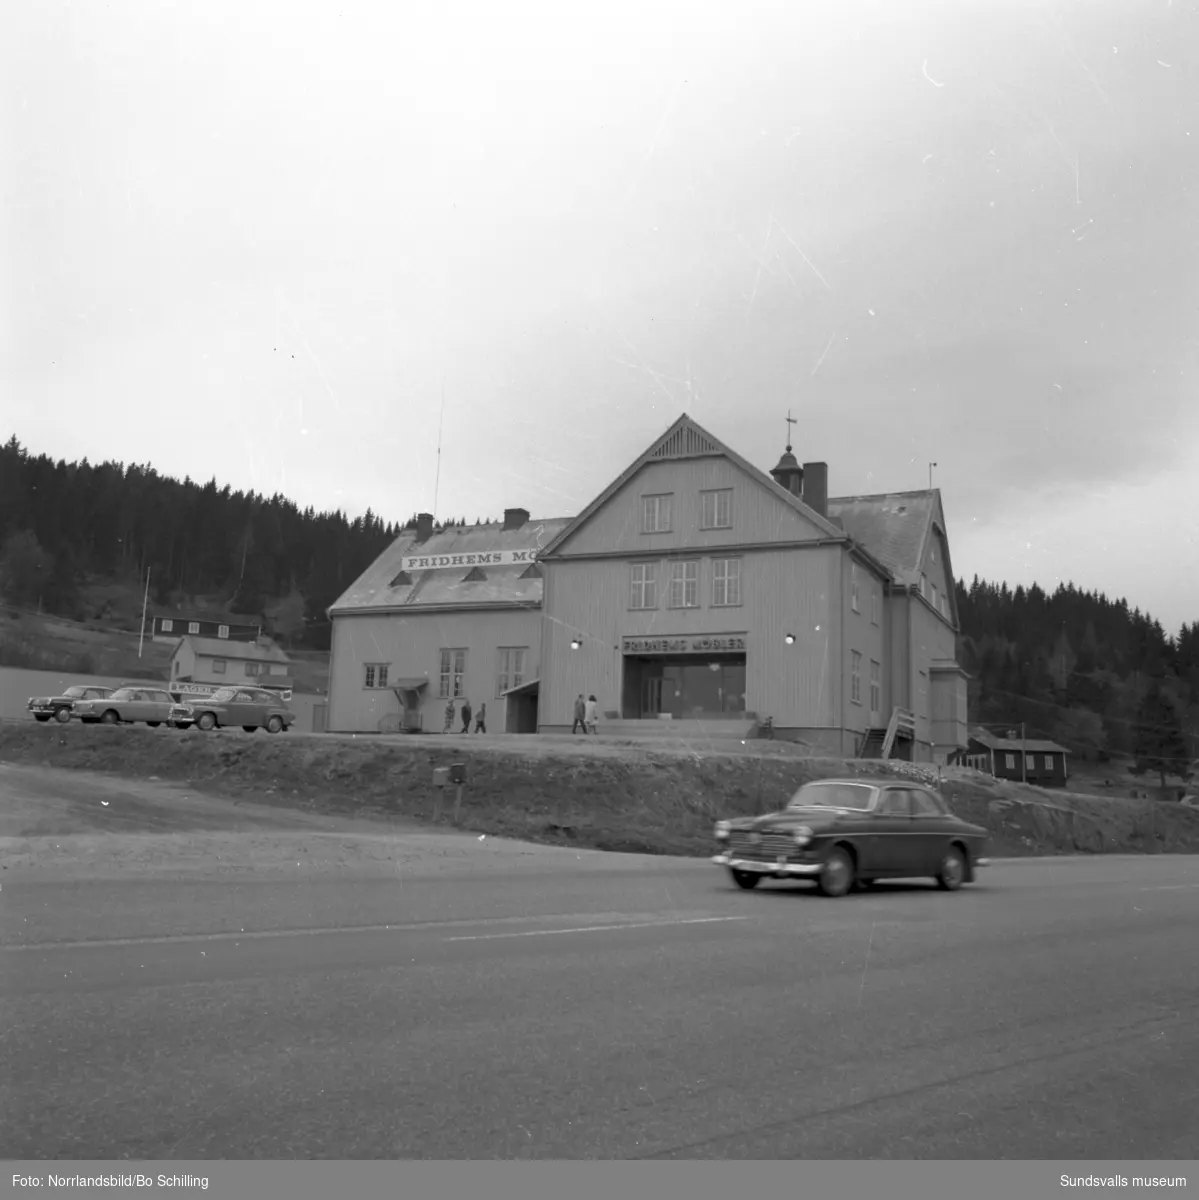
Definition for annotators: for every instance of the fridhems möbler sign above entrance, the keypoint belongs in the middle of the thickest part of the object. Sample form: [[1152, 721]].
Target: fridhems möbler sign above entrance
[[699, 644], [483, 558]]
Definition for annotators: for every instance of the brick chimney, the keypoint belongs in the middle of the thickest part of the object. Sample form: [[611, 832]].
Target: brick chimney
[[515, 518], [424, 526], [815, 486]]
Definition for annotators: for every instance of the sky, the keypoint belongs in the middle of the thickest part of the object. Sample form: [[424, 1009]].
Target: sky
[[297, 246]]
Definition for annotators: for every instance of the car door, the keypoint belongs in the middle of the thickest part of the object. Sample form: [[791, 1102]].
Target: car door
[[160, 702], [890, 827], [930, 831], [242, 709]]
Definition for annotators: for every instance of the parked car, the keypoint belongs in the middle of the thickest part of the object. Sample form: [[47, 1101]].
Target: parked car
[[251, 708], [127, 705], [847, 832], [60, 707]]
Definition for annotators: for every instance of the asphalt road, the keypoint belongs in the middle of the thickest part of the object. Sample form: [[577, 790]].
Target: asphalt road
[[613, 1009]]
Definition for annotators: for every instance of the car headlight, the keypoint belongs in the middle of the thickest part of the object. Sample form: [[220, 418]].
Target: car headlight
[[722, 829], [802, 835]]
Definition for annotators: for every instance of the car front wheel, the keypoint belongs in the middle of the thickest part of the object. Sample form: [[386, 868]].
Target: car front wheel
[[63, 715], [746, 879], [837, 877], [952, 873]]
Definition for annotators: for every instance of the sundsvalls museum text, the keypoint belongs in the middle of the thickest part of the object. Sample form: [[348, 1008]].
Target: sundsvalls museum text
[[111, 1181]]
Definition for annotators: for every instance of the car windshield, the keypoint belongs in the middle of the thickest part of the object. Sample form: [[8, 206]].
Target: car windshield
[[832, 795]]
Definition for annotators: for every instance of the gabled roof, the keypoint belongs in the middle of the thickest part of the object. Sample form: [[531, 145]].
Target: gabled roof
[[260, 651], [895, 526], [1033, 745], [687, 439], [384, 586]]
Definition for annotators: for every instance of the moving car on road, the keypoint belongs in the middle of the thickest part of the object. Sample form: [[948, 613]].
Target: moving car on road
[[127, 705], [59, 707], [251, 708], [847, 832]]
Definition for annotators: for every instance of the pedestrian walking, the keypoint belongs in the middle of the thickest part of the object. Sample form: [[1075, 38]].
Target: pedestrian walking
[[481, 719], [591, 715], [580, 715], [466, 716], [449, 717]]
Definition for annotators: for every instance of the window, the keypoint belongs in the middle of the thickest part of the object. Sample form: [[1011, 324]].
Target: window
[[222, 631], [644, 586], [403, 579], [218, 666], [895, 803], [168, 625], [876, 687], [684, 585], [1010, 761], [175, 672], [193, 627], [1048, 762], [924, 804], [726, 582], [936, 601], [251, 670], [511, 670], [944, 607], [716, 509], [453, 673], [874, 606], [855, 667], [375, 675], [853, 587], [655, 514]]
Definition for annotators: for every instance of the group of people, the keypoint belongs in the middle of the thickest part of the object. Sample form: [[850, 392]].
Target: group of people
[[586, 715], [467, 713]]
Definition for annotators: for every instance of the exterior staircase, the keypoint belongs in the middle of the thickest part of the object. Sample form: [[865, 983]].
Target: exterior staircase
[[883, 743]]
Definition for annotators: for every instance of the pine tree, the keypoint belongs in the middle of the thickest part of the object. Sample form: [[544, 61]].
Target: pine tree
[[1158, 742]]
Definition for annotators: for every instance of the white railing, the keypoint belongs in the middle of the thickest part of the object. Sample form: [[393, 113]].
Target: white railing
[[902, 720]]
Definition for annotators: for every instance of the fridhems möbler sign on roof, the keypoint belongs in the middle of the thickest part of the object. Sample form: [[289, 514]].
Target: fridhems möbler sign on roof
[[484, 558]]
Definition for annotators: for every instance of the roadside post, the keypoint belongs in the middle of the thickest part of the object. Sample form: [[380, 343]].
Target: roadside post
[[458, 778], [441, 776]]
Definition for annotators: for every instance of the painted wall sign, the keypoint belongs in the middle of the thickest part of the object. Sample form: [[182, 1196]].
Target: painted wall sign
[[484, 558], [699, 644], [201, 691]]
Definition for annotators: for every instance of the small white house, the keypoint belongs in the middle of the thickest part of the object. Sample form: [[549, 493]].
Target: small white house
[[214, 662]]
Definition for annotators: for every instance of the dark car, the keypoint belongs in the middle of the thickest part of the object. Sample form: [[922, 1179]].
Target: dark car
[[847, 832], [61, 707], [129, 704], [251, 708]]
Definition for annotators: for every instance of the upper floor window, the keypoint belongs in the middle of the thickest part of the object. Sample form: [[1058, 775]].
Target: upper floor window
[[222, 631], [944, 606], [726, 582], [853, 587], [375, 675], [716, 509], [855, 676], [924, 586], [168, 625], [936, 603], [193, 627], [644, 586], [655, 514], [684, 585], [874, 605]]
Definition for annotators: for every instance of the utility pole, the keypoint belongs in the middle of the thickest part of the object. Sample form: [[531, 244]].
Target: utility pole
[[145, 601], [1023, 757]]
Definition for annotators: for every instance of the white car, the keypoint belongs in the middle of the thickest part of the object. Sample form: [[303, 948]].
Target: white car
[[127, 705]]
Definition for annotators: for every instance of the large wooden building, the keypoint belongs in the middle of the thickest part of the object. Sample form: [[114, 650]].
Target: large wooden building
[[694, 587]]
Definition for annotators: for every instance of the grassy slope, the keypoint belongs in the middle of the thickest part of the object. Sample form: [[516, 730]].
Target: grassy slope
[[596, 794]]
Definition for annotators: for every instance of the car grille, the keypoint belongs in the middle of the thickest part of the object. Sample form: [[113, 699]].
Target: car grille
[[772, 845]]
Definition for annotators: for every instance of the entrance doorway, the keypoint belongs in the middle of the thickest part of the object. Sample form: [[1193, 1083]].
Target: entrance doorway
[[708, 686]]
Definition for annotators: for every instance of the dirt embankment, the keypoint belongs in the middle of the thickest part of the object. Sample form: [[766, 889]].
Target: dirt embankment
[[594, 794]]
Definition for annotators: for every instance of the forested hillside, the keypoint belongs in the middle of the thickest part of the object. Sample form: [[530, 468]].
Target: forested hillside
[[1091, 672]]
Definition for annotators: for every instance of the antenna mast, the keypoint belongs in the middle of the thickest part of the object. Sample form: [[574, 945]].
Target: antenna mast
[[440, 423]]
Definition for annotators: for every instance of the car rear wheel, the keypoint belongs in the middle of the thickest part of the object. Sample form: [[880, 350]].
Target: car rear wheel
[[110, 717], [837, 877], [206, 721], [746, 879], [63, 715], [274, 725], [952, 873]]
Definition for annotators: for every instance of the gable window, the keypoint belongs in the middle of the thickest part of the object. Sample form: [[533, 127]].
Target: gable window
[[684, 585], [193, 627], [853, 587], [874, 606], [218, 666], [222, 631], [375, 675], [1010, 761], [510, 671], [452, 674], [876, 687], [644, 586], [726, 582], [716, 509], [655, 514], [168, 625], [855, 667]]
